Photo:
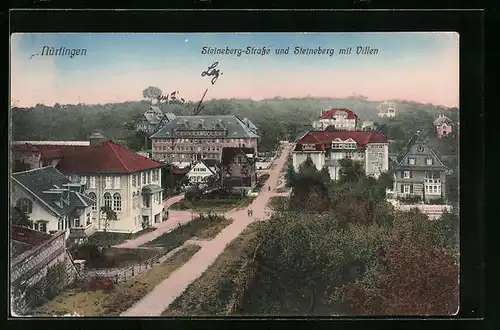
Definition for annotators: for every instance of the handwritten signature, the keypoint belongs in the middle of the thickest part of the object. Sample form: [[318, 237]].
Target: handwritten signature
[[212, 71], [171, 98]]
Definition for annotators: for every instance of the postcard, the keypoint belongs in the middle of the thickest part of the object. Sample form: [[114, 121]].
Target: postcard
[[223, 174]]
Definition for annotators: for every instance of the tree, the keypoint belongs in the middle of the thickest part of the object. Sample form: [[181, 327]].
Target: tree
[[152, 93], [290, 176], [350, 171], [326, 174], [413, 274], [107, 215]]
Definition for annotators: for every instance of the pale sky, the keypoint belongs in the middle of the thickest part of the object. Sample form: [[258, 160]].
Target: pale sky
[[422, 67]]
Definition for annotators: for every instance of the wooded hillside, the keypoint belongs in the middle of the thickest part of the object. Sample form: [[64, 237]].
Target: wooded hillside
[[276, 118]]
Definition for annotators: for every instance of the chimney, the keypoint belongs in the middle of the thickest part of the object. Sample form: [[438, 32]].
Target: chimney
[[96, 139]]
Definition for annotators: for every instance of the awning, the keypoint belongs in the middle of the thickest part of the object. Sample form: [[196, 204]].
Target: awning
[[151, 189]]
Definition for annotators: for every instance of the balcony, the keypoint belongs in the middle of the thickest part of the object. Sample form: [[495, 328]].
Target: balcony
[[82, 231]]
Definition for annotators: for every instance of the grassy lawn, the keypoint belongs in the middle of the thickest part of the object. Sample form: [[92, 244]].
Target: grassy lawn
[[105, 239], [124, 296], [205, 205], [211, 294], [200, 227]]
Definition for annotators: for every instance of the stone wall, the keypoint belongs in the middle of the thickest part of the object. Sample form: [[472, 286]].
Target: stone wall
[[39, 274]]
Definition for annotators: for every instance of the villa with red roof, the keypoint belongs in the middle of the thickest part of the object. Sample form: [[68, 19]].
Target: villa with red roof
[[326, 148], [113, 176], [341, 119]]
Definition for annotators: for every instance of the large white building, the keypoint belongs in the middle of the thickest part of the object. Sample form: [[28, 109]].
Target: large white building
[[325, 148], [341, 119], [113, 176]]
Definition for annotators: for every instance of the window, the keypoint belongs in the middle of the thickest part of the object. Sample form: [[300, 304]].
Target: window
[[117, 202], [107, 200], [25, 205], [83, 180], [93, 197], [428, 161], [134, 181], [117, 182], [420, 148], [406, 188], [92, 183], [109, 182], [42, 226], [77, 222], [407, 174], [411, 160], [144, 178]]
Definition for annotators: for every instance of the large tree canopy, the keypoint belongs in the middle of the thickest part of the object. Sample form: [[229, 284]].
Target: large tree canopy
[[151, 93]]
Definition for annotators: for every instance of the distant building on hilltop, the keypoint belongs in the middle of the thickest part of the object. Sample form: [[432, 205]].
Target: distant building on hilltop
[[367, 126], [193, 138], [444, 126], [324, 148], [340, 119], [153, 119], [386, 109]]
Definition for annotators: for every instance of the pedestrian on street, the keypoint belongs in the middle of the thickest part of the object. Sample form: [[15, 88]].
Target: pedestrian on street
[[269, 188]]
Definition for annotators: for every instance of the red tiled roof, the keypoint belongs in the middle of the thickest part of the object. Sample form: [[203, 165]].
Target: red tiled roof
[[28, 236], [361, 138], [330, 113], [109, 157]]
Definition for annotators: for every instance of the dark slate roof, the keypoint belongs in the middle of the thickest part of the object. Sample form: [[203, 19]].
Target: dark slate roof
[[47, 184], [170, 116], [420, 151], [249, 124], [235, 127], [229, 153], [209, 162]]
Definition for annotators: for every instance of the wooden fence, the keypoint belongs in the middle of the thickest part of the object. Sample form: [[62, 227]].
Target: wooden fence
[[120, 275]]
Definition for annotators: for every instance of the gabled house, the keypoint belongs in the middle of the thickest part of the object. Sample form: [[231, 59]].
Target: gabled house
[[153, 119], [52, 202], [202, 170], [444, 126], [367, 126], [420, 173], [386, 109], [326, 148], [114, 176], [340, 119], [238, 168]]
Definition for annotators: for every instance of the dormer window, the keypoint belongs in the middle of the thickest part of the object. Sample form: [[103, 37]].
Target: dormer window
[[411, 160], [429, 161]]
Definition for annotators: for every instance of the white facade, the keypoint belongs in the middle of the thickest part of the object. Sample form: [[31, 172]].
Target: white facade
[[200, 172], [341, 122], [391, 112], [123, 193], [43, 216], [374, 158]]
